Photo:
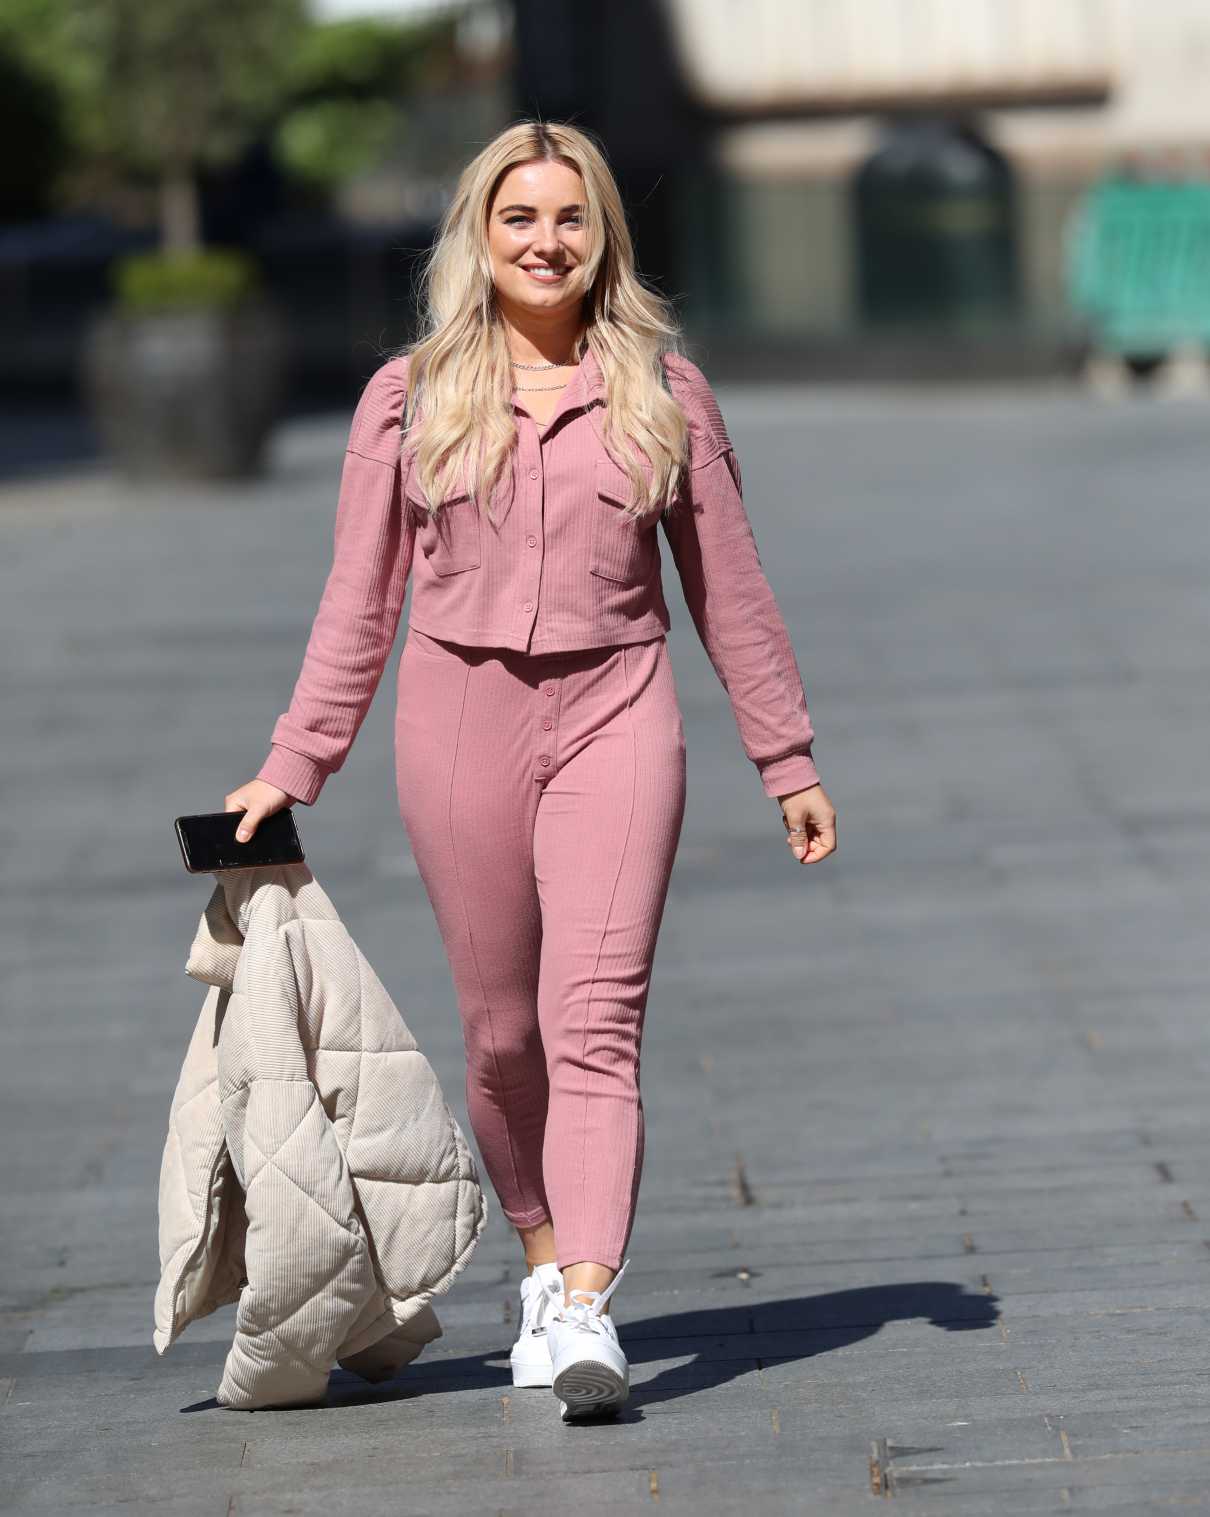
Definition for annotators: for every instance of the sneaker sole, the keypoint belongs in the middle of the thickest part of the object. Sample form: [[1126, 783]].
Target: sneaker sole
[[531, 1374], [589, 1388]]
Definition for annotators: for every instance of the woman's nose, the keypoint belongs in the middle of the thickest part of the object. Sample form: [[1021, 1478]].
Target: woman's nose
[[546, 238]]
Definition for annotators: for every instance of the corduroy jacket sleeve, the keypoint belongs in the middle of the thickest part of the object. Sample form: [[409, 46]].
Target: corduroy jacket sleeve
[[359, 610], [730, 600]]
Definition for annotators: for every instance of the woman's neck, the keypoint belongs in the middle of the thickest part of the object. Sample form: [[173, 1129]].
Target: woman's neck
[[557, 345]]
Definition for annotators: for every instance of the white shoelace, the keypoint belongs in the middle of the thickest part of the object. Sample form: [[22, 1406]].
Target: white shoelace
[[586, 1314], [543, 1294]]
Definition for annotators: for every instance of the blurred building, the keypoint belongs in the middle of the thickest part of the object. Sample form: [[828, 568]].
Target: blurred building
[[770, 152], [804, 92]]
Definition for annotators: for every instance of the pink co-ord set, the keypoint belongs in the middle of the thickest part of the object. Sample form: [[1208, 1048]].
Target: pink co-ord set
[[540, 755]]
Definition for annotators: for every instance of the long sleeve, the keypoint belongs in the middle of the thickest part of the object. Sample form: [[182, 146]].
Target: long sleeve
[[358, 616], [734, 609]]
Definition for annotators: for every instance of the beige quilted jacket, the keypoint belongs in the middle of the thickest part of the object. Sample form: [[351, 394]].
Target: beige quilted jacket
[[312, 1171]]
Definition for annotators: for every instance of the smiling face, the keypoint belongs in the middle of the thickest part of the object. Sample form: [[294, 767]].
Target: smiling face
[[536, 236]]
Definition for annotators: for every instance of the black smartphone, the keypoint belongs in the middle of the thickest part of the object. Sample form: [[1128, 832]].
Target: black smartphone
[[208, 841]]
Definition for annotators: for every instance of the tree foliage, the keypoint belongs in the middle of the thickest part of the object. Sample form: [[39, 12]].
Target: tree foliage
[[157, 91], [161, 84]]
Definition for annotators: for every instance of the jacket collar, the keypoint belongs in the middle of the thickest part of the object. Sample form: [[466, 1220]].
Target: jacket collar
[[214, 954]]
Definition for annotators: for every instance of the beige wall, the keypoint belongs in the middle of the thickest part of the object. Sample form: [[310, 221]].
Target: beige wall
[[839, 51], [1148, 60]]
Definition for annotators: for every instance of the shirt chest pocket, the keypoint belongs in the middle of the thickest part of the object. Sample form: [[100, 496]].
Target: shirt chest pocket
[[450, 539], [621, 546]]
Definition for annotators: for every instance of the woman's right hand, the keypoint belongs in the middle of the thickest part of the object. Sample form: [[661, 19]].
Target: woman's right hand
[[258, 799]]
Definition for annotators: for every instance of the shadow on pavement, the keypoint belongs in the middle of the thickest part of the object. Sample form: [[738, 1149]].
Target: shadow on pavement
[[720, 1343]]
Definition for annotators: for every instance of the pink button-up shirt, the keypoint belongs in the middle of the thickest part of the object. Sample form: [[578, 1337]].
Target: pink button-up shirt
[[562, 567]]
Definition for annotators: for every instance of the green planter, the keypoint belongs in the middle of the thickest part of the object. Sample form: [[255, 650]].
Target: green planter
[[184, 376]]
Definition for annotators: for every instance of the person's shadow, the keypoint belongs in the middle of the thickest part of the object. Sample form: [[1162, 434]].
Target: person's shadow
[[721, 1343]]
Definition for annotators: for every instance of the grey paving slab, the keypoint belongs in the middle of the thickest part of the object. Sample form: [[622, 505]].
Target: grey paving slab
[[927, 1191]]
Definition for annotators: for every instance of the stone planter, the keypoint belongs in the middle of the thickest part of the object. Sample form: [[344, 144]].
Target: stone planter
[[186, 394]]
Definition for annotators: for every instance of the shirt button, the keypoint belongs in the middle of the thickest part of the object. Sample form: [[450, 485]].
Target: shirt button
[[533, 474], [548, 724], [528, 606], [532, 541], [545, 759], [550, 689]]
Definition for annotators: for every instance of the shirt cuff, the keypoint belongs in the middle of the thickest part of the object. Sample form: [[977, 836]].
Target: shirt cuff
[[294, 773], [784, 776]]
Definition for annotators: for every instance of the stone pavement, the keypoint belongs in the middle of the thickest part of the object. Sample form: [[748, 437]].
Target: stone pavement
[[926, 1211]]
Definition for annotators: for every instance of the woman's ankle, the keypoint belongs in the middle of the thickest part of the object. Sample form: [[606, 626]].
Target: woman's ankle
[[537, 1243], [587, 1275]]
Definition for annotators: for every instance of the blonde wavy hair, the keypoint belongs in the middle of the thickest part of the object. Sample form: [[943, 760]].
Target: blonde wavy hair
[[458, 419]]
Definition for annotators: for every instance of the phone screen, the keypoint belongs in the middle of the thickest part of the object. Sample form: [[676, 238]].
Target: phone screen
[[208, 841]]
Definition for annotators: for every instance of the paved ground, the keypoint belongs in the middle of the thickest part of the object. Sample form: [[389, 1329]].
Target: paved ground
[[926, 1213]]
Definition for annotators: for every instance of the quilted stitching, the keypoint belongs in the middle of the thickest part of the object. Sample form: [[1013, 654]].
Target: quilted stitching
[[290, 990], [270, 1163]]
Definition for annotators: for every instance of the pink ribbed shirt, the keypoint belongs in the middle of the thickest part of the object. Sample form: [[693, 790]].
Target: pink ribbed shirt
[[562, 567]]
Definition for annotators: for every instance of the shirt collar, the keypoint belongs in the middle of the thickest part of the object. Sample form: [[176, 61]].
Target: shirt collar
[[584, 386], [594, 377]]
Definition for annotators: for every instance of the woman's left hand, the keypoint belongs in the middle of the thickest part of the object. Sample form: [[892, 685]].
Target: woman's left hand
[[813, 814]]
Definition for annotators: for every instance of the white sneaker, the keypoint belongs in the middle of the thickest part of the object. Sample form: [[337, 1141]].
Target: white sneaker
[[541, 1291], [590, 1376]]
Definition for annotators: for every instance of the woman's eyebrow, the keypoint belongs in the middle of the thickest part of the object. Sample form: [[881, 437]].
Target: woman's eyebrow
[[574, 206]]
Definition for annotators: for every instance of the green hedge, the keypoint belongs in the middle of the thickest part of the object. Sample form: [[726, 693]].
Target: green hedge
[[206, 279]]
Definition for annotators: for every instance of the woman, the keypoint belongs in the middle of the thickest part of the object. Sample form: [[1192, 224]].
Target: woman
[[548, 422]]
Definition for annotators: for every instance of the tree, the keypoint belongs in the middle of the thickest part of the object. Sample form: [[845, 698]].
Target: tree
[[160, 88]]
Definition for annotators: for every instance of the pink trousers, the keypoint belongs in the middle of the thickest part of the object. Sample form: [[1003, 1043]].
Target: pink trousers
[[543, 796]]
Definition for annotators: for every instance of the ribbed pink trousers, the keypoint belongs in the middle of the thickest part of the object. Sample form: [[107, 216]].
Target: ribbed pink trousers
[[543, 796]]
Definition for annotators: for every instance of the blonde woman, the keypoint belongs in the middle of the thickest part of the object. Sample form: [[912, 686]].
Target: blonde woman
[[515, 462]]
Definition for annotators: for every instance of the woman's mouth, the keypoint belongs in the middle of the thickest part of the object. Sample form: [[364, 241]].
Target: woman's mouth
[[543, 274]]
